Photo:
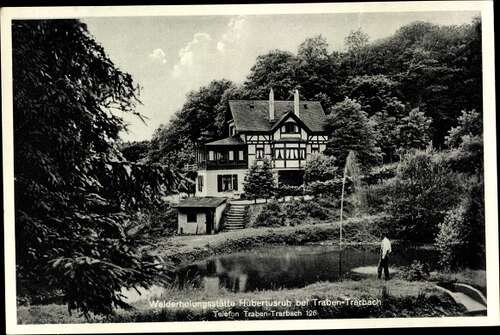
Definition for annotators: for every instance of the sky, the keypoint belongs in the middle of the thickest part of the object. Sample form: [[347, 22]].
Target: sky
[[169, 56]]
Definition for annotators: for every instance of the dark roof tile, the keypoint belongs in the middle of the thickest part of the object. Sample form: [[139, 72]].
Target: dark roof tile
[[253, 115], [232, 140], [198, 202]]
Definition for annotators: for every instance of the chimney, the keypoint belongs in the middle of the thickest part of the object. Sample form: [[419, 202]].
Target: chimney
[[271, 105], [296, 105]]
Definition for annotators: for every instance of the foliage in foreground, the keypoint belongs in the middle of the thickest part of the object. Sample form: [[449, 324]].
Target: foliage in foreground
[[461, 237], [74, 191]]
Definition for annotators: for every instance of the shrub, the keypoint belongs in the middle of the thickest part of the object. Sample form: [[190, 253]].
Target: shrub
[[380, 174], [302, 209], [450, 239], [420, 195], [461, 237], [283, 190], [416, 271], [320, 168], [158, 220], [331, 187], [375, 197], [270, 215]]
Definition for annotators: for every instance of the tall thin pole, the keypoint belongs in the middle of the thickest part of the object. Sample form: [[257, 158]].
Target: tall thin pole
[[342, 202]]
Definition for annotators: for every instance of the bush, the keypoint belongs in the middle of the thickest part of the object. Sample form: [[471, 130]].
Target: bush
[[416, 271], [302, 209], [291, 213], [270, 215], [461, 236], [420, 195], [320, 168], [375, 197], [380, 174], [283, 190], [331, 187], [450, 240], [158, 220]]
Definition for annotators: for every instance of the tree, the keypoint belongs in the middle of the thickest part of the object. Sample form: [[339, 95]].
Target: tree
[[470, 123], [318, 70], [373, 92], [204, 110], [423, 190], [135, 151], [385, 123], [74, 191], [413, 131], [259, 181], [350, 130], [277, 70], [356, 44]]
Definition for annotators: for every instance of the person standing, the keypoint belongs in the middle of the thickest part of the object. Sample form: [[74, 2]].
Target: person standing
[[385, 250]]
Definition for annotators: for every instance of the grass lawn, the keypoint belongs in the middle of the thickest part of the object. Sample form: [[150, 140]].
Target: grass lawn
[[394, 298]]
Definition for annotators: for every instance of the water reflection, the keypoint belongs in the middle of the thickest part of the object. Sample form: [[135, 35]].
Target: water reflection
[[287, 267]]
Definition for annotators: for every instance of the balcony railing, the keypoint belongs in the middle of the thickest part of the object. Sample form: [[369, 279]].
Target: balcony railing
[[222, 165]]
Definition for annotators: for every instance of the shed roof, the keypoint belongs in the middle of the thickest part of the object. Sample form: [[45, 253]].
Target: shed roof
[[201, 202], [253, 115], [232, 140]]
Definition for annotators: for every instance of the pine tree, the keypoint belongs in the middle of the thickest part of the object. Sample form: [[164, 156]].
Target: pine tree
[[259, 182]]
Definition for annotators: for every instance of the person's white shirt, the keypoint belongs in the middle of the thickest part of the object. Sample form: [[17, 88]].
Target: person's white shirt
[[386, 247]]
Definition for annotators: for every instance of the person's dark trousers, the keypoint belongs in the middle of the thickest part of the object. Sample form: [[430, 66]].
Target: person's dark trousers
[[383, 264]]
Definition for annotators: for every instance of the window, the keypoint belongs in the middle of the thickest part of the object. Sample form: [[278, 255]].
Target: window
[[227, 182], [191, 216], [240, 155], [302, 153], [200, 183], [210, 155], [259, 153], [315, 149], [279, 153], [292, 153], [231, 130], [290, 128], [231, 155], [220, 156]]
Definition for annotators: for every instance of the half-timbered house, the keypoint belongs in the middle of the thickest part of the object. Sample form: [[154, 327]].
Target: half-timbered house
[[285, 132]]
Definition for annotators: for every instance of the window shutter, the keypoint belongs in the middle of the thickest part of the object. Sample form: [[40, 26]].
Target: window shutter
[[235, 182], [219, 183]]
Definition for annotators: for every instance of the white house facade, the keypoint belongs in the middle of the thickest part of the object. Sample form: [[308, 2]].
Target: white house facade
[[287, 133]]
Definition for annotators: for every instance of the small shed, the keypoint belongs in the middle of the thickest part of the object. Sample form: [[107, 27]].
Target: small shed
[[200, 215]]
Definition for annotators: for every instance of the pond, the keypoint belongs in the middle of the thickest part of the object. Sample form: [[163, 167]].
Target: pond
[[270, 268]]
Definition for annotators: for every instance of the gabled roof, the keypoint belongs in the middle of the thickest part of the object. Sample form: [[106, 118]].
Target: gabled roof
[[253, 115], [285, 117], [232, 140], [201, 202]]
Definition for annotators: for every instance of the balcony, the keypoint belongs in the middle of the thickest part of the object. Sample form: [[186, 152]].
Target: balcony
[[222, 165]]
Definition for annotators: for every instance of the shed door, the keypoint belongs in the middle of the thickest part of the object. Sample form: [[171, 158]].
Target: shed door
[[210, 222]]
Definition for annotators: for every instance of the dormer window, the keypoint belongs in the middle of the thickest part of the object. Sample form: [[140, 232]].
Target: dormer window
[[290, 128]]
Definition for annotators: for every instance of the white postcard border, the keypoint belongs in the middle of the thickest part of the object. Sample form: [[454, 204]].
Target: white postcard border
[[491, 212]]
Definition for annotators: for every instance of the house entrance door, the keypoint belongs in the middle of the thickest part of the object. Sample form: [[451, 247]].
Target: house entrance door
[[291, 177], [210, 222]]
